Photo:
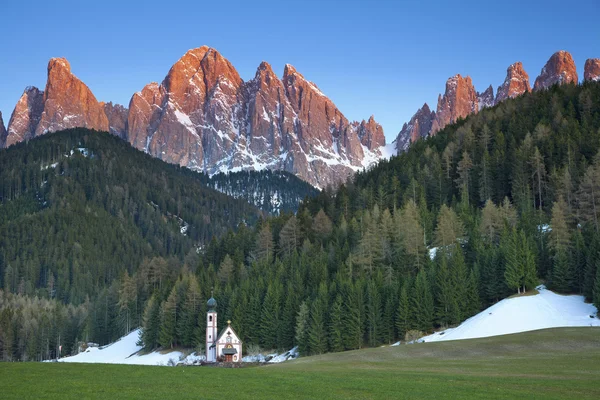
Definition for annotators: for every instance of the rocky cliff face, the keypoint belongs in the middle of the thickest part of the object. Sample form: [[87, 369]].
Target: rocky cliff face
[[2, 132], [515, 84], [559, 69], [26, 116], [66, 103], [117, 119], [486, 99], [592, 69], [459, 100], [205, 117], [418, 127]]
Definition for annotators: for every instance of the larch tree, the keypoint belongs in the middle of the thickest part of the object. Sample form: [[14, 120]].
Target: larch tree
[[225, 271], [560, 235], [411, 236], [168, 320], [449, 229], [463, 181], [265, 245], [289, 236]]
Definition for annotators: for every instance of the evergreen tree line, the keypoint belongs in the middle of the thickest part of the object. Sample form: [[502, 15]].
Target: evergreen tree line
[[272, 191], [35, 329], [78, 208], [490, 207]]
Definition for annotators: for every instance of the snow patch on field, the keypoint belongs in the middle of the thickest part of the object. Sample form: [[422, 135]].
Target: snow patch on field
[[127, 351], [521, 314]]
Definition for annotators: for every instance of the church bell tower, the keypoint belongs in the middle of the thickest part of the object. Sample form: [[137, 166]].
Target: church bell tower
[[211, 330]]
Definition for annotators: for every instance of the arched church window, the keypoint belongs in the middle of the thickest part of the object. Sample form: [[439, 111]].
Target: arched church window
[[210, 318]]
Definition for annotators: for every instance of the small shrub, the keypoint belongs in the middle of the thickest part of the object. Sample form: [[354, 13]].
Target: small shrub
[[413, 335]]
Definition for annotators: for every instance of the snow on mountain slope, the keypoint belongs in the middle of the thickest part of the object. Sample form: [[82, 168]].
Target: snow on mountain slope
[[520, 314]]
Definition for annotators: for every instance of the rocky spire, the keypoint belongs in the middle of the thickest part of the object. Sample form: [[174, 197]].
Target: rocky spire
[[117, 119], [26, 116], [559, 69], [592, 69], [486, 99], [418, 127], [459, 100], [68, 102], [515, 84], [370, 134]]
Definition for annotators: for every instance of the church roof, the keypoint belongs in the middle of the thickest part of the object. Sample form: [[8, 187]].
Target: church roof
[[228, 327], [229, 351]]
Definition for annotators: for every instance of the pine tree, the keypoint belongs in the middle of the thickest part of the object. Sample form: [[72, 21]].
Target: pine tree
[[168, 321], [444, 293], [336, 325], [560, 237], [128, 301], [403, 312], [317, 332], [561, 278], [302, 325], [374, 314], [354, 316], [422, 303], [150, 325], [463, 180], [188, 330], [270, 323], [515, 270]]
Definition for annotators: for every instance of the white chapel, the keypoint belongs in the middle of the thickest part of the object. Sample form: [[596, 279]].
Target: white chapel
[[225, 346]]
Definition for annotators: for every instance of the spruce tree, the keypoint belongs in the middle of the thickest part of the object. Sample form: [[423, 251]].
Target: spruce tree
[[422, 303], [150, 324], [317, 332], [515, 270], [403, 313], [168, 321], [302, 326], [336, 325]]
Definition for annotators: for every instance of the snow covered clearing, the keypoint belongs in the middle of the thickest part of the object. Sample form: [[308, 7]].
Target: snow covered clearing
[[126, 351], [521, 314]]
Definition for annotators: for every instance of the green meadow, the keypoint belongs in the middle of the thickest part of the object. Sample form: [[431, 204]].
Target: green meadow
[[547, 364]]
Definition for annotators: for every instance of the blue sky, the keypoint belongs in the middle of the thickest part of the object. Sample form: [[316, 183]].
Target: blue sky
[[370, 57]]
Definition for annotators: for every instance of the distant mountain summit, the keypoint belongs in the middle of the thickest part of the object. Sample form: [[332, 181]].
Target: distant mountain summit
[[461, 99], [205, 117]]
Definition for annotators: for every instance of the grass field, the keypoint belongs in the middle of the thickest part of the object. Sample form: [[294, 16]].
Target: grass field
[[549, 364]]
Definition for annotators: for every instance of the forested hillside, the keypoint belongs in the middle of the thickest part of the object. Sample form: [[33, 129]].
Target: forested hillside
[[79, 208], [271, 191], [502, 201]]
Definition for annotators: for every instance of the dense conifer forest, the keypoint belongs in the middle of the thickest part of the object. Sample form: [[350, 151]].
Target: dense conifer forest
[[271, 191], [490, 207]]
